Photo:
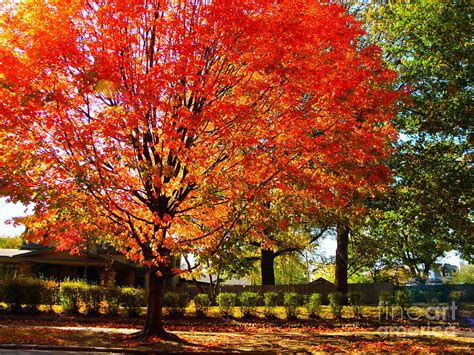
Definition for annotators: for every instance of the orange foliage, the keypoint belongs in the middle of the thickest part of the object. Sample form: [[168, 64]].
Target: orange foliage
[[156, 125]]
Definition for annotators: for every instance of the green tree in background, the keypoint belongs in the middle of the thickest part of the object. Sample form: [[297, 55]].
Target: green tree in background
[[291, 269], [429, 210], [7, 242], [465, 275]]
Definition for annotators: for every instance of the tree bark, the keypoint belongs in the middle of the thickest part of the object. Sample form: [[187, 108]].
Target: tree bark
[[154, 315], [267, 261], [341, 257]]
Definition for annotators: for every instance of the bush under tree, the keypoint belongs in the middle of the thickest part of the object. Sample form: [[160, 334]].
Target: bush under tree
[[313, 305], [249, 302], [291, 301], [355, 299], [403, 300], [176, 303], [270, 301], [132, 299], [336, 303], [226, 302], [202, 302]]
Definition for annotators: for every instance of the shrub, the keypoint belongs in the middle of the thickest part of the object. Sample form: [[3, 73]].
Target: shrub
[[270, 301], [416, 295], [113, 299], [431, 297], [291, 301], [456, 295], [336, 302], [131, 299], [355, 301], [402, 299], [14, 295], [226, 302], [313, 305], [33, 289], [201, 304], [23, 291], [50, 291], [71, 294], [176, 303], [91, 296], [249, 302], [384, 298]]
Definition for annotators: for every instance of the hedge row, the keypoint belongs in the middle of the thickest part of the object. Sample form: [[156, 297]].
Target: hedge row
[[249, 301], [26, 294]]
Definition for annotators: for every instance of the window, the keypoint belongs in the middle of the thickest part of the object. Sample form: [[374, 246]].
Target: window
[[8, 271]]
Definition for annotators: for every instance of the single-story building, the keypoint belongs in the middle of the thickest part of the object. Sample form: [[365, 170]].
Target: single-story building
[[108, 269]]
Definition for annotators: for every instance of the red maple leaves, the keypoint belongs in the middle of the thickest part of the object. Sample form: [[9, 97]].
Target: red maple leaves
[[161, 123]]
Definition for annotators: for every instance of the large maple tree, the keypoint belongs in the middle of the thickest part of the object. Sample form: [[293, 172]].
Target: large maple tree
[[158, 125]]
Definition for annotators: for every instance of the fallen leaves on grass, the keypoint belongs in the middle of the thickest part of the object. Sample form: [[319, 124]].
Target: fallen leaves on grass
[[413, 345], [37, 336], [209, 341]]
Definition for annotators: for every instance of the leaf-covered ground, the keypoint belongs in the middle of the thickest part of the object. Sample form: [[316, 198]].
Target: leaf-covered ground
[[258, 340], [230, 335]]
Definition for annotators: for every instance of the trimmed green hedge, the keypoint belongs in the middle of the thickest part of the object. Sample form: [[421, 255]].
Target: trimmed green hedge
[[226, 302], [336, 302], [176, 303], [355, 299], [291, 301], [202, 303], [72, 294], [132, 299], [249, 302], [313, 304], [26, 294]]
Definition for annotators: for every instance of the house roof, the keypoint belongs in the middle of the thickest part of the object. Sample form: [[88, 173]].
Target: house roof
[[12, 253], [450, 267], [51, 256], [321, 281]]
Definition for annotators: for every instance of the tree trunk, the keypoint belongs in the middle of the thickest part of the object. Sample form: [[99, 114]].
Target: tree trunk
[[154, 315], [267, 266], [214, 288], [426, 272], [341, 257]]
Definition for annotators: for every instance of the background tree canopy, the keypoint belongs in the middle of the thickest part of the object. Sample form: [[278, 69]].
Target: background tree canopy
[[429, 210]]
